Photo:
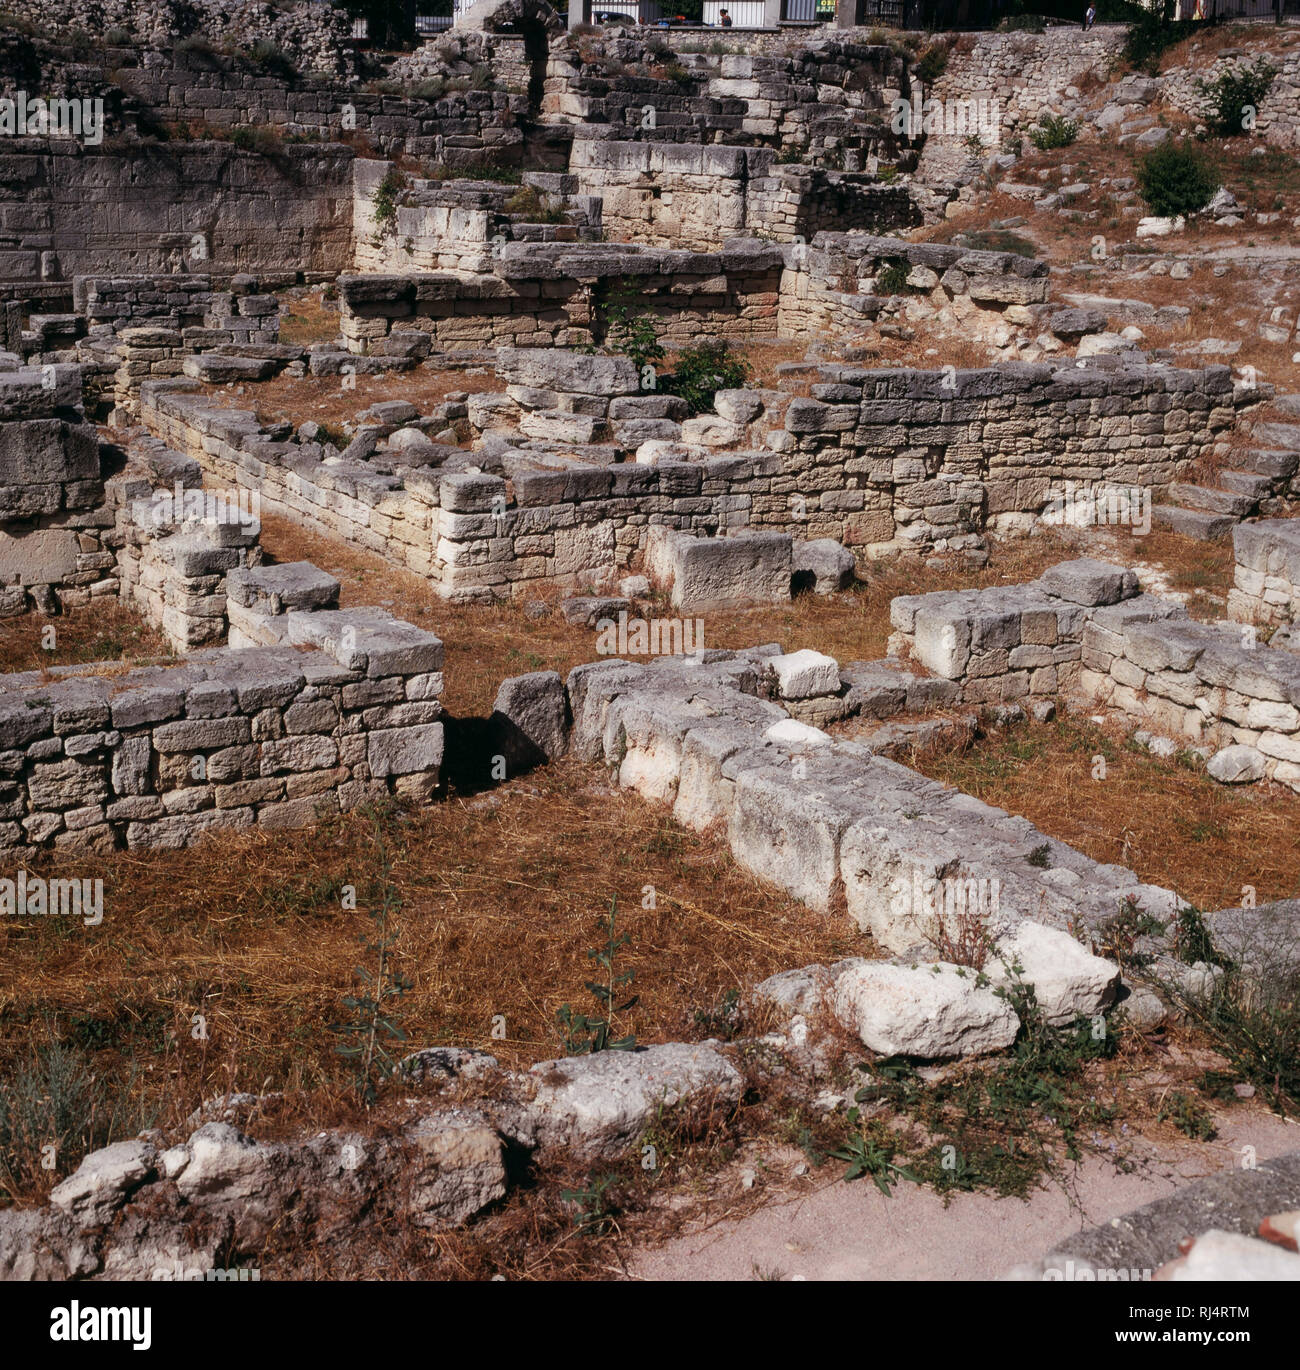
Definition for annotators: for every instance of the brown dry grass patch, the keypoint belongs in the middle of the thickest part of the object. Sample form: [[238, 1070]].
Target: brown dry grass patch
[[324, 399], [499, 901], [1166, 820], [104, 630]]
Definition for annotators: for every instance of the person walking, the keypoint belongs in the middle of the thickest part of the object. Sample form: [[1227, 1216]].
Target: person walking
[[1089, 17]]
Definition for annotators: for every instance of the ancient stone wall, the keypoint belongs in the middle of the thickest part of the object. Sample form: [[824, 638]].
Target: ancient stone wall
[[170, 206], [458, 128], [1203, 682], [461, 225], [1026, 73], [1278, 116], [888, 460], [541, 294], [1266, 572], [157, 756], [53, 519], [312, 35], [697, 196]]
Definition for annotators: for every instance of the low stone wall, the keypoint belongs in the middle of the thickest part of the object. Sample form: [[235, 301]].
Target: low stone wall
[[155, 757], [825, 819], [1278, 116], [53, 518], [1266, 572], [888, 460], [834, 283], [693, 196], [541, 294], [1207, 682], [176, 544], [1006, 643]]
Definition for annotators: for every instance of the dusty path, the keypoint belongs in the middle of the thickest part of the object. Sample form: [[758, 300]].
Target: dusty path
[[828, 1230]]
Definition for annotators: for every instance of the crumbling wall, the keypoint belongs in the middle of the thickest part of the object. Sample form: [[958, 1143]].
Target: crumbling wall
[[53, 518], [891, 460], [155, 757], [1266, 572], [162, 208]]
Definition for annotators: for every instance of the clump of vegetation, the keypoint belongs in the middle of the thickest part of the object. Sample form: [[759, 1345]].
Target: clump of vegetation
[[699, 372], [259, 139], [1188, 1114], [932, 63], [384, 201], [54, 1110], [891, 279], [1176, 179], [481, 77], [270, 57], [1150, 38], [117, 36], [1236, 97], [585, 1033], [476, 171], [532, 207], [374, 1027], [1251, 1015], [195, 46], [1053, 131], [630, 332], [434, 88]]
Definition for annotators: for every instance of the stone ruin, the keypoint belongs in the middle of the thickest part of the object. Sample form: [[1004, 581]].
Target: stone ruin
[[766, 199]]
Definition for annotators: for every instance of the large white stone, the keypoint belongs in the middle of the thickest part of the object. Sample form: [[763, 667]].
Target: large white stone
[[932, 1010], [1069, 981], [805, 674]]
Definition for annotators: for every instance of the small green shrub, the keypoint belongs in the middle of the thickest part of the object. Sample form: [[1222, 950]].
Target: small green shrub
[[1237, 96], [932, 63], [583, 1033], [432, 89], [194, 46], [1175, 180], [699, 372], [54, 1109], [263, 140], [891, 279], [481, 77], [1151, 37], [533, 208], [384, 200], [678, 75], [1053, 131], [117, 37]]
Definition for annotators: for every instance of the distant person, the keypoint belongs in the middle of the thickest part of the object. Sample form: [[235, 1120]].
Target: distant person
[[1089, 18], [724, 19]]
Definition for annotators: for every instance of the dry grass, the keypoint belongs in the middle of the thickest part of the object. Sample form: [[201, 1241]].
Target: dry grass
[[499, 901], [486, 643], [1164, 819], [325, 400], [307, 319], [105, 630]]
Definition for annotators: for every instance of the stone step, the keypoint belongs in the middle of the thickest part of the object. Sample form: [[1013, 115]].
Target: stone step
[[1282, 435], [1211, 500], [1288, 404], [1194, 523], [1248, 483], [1277, 466]]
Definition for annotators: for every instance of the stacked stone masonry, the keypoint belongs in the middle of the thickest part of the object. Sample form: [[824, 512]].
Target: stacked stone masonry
[[157, 756]]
